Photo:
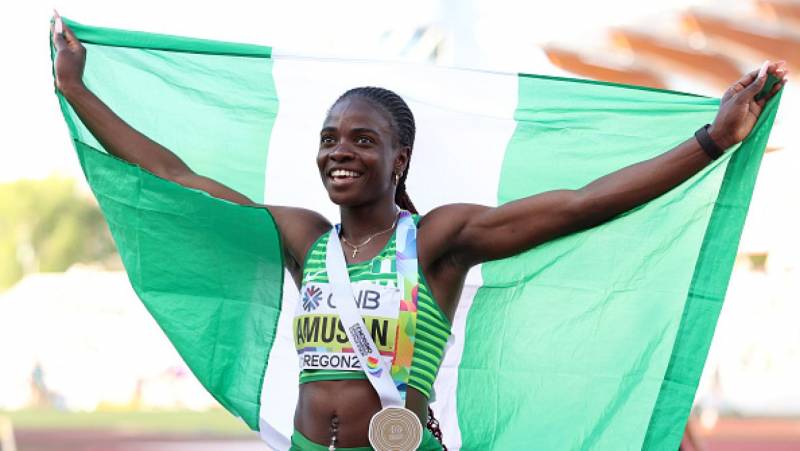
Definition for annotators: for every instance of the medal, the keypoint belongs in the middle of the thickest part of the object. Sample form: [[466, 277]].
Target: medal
[[395, 429]]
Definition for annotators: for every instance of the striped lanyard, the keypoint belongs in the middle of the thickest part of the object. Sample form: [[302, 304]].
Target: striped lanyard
[[408, 286]]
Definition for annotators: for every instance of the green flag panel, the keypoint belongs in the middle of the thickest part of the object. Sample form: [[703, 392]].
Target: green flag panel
[[206, 269], [212, 103], [571, 341]]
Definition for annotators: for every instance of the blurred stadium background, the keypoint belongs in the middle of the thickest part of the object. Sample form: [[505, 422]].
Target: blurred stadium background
[[84, 367]]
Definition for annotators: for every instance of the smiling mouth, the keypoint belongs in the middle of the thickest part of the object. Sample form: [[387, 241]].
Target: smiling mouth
[[343, 175]]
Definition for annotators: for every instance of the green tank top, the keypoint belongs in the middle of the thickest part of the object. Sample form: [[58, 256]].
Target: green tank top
[[433, 327]]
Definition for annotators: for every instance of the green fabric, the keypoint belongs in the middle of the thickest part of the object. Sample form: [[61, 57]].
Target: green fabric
[[433, 327], [570, 341], [709, 284], [206, 269], [151, 41], [302, 443], [212, 106]]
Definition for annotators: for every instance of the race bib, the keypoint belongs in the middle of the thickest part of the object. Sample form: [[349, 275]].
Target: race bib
[[319, 336]]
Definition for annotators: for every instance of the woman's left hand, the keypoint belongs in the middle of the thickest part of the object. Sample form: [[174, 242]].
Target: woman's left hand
[[739, 109]]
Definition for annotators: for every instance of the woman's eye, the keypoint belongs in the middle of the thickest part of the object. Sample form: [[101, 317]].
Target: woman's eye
[[326, 140], [364, 140]]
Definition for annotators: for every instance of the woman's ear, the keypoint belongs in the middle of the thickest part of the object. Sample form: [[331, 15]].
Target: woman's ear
[[401, 160]]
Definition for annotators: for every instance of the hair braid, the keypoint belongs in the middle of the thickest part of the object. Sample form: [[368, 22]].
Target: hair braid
[[403, 123], [433, 426]]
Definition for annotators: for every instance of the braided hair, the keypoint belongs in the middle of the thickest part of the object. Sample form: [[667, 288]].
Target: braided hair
[[402, 121], [433, 426]]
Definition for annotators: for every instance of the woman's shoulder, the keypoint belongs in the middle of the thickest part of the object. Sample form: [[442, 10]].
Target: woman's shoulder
[[444, 231]]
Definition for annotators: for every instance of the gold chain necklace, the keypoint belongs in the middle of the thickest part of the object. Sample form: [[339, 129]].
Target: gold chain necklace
[[356, 247]]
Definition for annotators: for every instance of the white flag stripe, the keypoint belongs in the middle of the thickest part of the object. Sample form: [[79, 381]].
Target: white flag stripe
[[446, 385], [280, 390]]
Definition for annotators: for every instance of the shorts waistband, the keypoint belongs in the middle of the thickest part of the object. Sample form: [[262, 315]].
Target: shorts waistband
[[301, 443]]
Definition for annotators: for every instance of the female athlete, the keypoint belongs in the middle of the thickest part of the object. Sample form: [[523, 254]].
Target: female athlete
[[365, 149]]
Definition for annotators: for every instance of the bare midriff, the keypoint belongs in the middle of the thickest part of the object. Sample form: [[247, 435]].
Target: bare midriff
[[352, 403]]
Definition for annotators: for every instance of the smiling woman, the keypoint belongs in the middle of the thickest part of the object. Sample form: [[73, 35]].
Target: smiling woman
[[593, 354], [364, 155], [392, 134]]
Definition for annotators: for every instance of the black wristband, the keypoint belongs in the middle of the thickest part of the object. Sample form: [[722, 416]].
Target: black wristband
[[709, 146]]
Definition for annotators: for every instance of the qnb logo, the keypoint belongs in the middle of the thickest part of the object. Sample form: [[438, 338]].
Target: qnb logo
[[373, 366], [311, 298]]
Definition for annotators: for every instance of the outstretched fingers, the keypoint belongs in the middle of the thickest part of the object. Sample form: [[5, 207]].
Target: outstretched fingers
[[774, 68], [57, 31], [758, 83], [58, 37], [69, 34], [743, 83], [774, 90], [777, 70], [746, 80], [62, 33]]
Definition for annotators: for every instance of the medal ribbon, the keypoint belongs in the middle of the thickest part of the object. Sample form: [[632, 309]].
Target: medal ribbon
[[408, 283], [391, 383]]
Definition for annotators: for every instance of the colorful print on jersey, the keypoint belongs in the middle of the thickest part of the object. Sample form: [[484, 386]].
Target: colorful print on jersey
[[408, 281]]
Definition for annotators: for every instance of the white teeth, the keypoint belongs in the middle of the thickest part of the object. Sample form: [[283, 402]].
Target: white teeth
[[344, 173]]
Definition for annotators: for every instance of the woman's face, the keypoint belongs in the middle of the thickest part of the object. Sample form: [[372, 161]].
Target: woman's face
[[357, 155]]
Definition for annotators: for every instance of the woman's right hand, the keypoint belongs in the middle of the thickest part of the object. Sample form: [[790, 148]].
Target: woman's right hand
[[740, 106], [70, 57]]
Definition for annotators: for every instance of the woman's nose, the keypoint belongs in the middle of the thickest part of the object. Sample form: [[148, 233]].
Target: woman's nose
[[341, 152]]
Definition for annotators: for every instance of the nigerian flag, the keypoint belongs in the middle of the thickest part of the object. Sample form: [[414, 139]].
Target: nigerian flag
[[592, 341]]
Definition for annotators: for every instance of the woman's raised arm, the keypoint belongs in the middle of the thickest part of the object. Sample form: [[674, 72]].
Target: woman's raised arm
[[116, 136], [299, 227], [471, 234]]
